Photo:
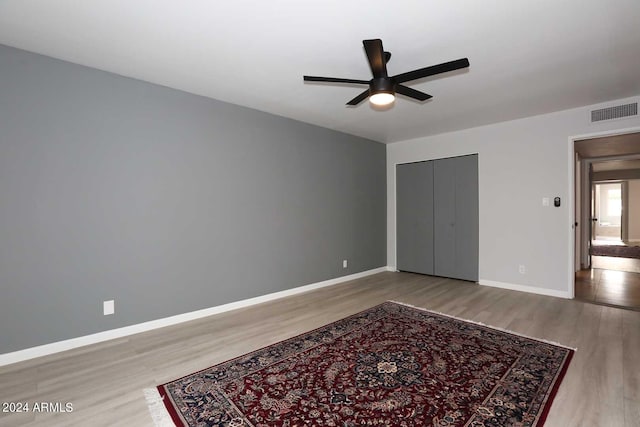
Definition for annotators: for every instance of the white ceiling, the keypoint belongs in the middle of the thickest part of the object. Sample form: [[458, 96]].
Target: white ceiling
[[527, 57]]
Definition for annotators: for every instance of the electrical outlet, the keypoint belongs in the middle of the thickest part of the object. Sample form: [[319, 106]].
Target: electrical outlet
[[545, 201], [108, 307], [344, 263], [522, 269]]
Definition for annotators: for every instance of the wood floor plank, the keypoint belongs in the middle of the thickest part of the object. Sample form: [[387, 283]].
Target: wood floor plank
[[631, 356], [104, 382], [631, 413]]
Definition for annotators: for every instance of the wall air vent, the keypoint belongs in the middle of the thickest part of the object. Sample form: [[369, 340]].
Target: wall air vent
[[616, 112]]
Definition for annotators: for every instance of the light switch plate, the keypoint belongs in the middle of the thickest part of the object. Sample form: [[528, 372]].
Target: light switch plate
[[108, 307]]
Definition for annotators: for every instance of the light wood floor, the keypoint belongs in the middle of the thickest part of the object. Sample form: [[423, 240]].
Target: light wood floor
[[631, 265], [610, 281], [104, 382], [609, 287]]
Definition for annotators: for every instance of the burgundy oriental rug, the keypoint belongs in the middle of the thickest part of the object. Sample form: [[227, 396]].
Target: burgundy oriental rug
[[391, 365]]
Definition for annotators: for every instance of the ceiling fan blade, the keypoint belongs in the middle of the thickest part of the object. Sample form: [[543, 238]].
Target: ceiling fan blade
[[433, 70], [333, 80], [358, 99], [375, 54], [412, 93]]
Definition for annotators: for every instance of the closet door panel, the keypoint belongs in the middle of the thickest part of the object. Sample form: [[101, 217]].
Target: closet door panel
[[444, 202], [467, 223], [414, 217]]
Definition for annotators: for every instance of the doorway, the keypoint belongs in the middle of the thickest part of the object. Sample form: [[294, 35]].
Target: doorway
[[607, 258], [607, 215]]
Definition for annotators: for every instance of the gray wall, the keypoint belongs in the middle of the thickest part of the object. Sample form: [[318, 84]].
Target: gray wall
[[167, 202]]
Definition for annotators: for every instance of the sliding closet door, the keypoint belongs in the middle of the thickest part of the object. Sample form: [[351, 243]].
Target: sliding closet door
[[456, 217], [414, 217]]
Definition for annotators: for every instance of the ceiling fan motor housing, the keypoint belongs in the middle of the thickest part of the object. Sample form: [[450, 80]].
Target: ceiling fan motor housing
[[382, 85]]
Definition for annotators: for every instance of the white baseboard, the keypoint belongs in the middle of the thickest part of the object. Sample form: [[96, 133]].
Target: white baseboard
[[524, 288], [56, 347], [513, 287]]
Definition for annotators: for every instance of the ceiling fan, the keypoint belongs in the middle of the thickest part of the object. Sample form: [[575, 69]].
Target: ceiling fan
[[382, 88]]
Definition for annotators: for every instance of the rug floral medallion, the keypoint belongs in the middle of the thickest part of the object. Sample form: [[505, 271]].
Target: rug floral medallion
[[391, 365]]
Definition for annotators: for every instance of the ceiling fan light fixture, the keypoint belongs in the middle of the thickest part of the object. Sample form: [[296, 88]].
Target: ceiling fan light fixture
[[382, 91], [382, 98]]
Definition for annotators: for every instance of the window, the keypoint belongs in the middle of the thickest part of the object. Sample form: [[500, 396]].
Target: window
[[609, 199], [614, 202]]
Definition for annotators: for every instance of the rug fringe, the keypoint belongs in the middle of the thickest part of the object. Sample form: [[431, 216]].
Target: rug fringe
[[485, 325], [159, 413]]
